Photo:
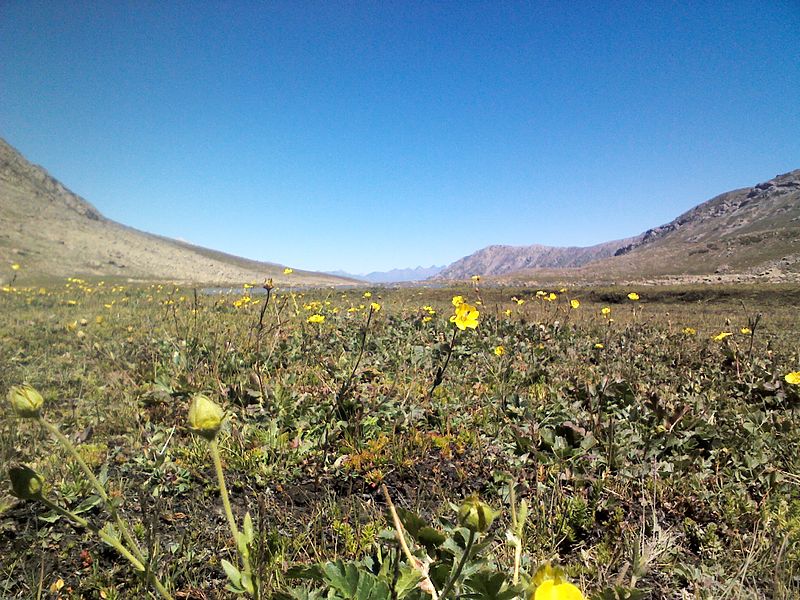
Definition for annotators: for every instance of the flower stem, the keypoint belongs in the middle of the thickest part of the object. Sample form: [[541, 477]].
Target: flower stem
[[416, 564], [223, 489], [449, 585], [108, 539], [98, 487], [226, 503]]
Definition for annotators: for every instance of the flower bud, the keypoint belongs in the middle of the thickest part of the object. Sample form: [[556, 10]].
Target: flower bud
[[25, 401], [26, 484], [475, 515], [205, 417]]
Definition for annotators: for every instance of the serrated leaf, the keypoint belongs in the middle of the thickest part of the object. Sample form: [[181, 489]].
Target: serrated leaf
[[353, 583]]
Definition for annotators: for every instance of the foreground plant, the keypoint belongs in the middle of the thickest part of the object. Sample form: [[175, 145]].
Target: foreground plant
[[27, 403], [205, 419]]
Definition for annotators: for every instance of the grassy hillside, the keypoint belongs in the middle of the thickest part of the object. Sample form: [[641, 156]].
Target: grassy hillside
[[51, 232]]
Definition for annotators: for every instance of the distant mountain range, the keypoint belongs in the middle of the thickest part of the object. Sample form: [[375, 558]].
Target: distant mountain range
[[750, 233], [393, 276], [53, 232]]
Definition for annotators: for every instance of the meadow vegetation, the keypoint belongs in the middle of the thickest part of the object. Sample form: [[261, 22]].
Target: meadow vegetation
[[627, 442]]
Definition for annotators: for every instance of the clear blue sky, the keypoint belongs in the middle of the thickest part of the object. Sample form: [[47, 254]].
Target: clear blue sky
[[370, 135]]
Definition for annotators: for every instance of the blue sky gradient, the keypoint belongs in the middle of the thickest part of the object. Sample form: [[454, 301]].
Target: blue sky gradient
[[371, 135]]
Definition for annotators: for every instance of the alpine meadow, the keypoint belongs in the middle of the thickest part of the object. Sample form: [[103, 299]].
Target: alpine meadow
[[399, 300]]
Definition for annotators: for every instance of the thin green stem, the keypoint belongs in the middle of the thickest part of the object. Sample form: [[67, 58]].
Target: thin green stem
[[223, 489], [108, 539], [226, 503], [449, 585], [68, 445]]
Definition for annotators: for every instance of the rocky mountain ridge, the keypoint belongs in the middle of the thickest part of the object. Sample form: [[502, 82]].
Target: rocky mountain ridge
[[745, 234]]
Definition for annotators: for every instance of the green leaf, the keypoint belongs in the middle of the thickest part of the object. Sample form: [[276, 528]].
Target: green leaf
[[233, 574], [249, 534], [353, 583]]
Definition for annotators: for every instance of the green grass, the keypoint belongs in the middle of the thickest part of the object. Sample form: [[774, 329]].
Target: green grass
[[662, 459]]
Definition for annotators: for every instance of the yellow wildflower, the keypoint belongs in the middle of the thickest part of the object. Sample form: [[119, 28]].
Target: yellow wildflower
[[500, 350], [375, 306], [574, 303], [316, 318], [205, 417], [288, 271], [426, 319], [15, 267], [466, 316], [793, 378], [458, 301], [507, 312], [605, 311], [552, 297], [599, 346], [367, 294], [476, 278], [689, 331], [633, 296], [746, 331], [553, 590], [721, 336]]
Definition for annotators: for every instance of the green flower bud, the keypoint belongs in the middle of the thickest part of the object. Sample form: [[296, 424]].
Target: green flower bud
[[26, 484], [475, 515], [205, 417], [25, 401]]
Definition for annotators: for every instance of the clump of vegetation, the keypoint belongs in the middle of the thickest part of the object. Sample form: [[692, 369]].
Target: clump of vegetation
[[644, 440]]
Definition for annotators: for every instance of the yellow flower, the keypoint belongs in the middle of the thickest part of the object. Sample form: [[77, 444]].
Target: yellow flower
[[557, 590], [793, 378], [552, 297], [605, 311], [375, 306], [633, 296], [466, 316], [563, 290], [507, 312], [367, 294], [599, 346], [500, 350], [746, 331], [458, 300], [689, 331], [25, 401], [205, 417], [475, 515], [574, 303], [15, 267], [476, 278], [288, 271], [426, 319], [721, 336], [316, 318]]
